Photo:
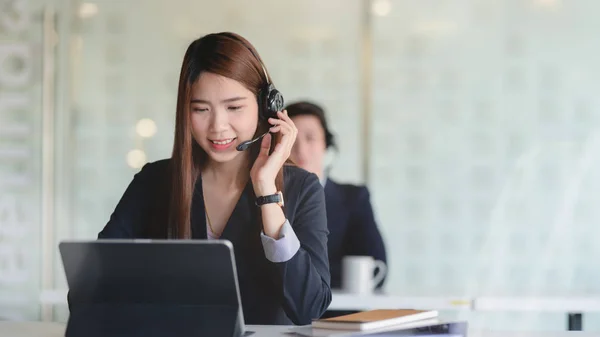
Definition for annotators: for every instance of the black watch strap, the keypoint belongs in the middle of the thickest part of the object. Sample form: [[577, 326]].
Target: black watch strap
[[276, 198]]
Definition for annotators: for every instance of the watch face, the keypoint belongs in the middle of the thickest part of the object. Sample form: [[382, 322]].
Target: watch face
[[280, 203]]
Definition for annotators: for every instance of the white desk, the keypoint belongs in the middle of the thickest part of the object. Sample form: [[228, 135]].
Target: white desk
[[573, 307], [543, 304], [344, 301], [38, 329]]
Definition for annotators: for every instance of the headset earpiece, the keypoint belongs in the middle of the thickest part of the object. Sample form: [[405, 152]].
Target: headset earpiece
[[270, 101], [330, 140]]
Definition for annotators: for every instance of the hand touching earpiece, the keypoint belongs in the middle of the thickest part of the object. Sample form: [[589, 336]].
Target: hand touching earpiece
[[265, 168]]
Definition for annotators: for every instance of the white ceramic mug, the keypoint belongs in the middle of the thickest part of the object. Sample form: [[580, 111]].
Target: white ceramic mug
[[357, 274]]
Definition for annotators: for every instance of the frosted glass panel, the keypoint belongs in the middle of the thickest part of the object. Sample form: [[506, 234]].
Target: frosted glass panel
[[492, 187], [20, 159]]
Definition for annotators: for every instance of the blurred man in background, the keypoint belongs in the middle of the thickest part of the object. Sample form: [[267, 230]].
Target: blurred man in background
[[352, 227]]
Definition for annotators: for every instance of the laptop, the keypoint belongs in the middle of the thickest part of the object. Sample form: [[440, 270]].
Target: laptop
[[152, 288]]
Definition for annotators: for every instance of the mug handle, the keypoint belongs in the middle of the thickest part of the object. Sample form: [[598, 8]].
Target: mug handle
[[381, 268]]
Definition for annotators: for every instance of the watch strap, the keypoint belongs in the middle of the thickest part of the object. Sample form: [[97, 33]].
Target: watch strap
[[276, 198]]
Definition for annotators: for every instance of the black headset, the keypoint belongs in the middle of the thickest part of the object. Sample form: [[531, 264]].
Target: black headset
[[270, 100], [329, 138]]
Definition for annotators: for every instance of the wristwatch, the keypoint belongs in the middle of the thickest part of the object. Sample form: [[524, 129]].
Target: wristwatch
[[276, 198]]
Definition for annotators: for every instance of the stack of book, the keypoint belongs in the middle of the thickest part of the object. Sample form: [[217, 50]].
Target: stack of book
[[370, 322]]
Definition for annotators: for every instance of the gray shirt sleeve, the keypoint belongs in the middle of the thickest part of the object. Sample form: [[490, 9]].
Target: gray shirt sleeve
[[282, 249]]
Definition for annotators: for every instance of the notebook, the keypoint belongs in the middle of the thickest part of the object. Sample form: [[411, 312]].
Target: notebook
[[374, 319], [309, 331]]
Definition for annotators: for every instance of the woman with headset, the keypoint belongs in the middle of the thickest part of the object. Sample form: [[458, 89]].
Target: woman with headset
[[227, 179]]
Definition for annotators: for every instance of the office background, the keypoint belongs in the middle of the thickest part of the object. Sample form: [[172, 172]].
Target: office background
[[473, 122]]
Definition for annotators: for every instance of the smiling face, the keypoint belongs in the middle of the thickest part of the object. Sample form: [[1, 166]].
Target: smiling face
[[224, 113]]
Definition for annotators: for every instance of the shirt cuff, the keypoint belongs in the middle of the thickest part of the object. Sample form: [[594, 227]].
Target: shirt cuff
[[282, 249]]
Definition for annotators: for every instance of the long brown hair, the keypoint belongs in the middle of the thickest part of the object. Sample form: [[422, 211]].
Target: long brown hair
[[229, 55]]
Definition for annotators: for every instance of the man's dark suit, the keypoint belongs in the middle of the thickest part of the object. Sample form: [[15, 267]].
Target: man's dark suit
[[352, 227]]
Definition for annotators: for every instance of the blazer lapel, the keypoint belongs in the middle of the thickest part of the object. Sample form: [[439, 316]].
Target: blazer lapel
[[197, 213], [332, 198], [242, 222], [334, 204]]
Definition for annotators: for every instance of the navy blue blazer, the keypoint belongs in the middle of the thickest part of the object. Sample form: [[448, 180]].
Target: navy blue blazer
[[352, 227], [295, 291]]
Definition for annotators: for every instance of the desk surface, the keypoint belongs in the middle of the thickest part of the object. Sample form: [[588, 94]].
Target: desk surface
[[39, 329], [344, 301]]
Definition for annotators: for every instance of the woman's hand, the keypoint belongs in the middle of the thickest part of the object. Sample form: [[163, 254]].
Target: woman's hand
[[265, 168]]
